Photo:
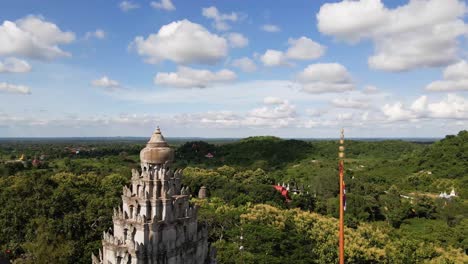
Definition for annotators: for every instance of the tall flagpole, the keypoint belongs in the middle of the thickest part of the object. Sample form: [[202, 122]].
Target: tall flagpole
[[342, 197]]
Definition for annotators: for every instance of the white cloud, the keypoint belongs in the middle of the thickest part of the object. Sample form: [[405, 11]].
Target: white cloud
[[304, 49], [457, 71], [14, 65], [278, 112], [344, 116], [220, 20], [396, 112], [416, 35], [237, 40], [128, 5], [370, 89], [455, 79], [315, 112], [13, 88], [273, 100], [99, 34], [277, 116], [270, 28], [105, 82], [325, 78], [182, 42], [33, 37], [163, 4], [451, 107], [115, 123], [272, 58], [299, 49], [349, 103], [212, 119], [419, 105], [186, 77], [245, 64]]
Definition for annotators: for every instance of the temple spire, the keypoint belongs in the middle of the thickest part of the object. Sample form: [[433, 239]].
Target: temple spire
[[154, 205], [341, 156]]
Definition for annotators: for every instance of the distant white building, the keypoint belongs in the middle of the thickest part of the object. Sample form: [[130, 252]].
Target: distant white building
[[448, 196]]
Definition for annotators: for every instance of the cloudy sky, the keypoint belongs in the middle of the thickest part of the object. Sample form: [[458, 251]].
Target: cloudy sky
[[233, 68]]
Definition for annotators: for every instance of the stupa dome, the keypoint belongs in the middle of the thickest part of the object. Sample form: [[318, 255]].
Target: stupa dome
[[157, 151]]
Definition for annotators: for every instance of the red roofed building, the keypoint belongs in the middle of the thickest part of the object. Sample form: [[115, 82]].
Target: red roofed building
[[284, 192]]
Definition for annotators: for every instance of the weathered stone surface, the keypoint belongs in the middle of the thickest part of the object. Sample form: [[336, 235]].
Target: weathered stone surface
[[156, 223], [202, 192]]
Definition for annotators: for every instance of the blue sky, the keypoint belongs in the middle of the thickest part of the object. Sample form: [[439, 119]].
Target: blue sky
[[233, 68]]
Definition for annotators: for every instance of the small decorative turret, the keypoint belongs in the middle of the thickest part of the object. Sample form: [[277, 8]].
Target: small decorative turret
[[202, 193]]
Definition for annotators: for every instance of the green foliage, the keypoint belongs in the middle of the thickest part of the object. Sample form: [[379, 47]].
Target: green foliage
[[271, 235], [56, 212], [234, 187], [447, 158], [48, 244], [395, 209], [255, 152], [56, 218]]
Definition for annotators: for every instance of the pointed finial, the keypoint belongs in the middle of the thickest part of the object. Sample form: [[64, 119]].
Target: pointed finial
[[158, 130], [341, 148]]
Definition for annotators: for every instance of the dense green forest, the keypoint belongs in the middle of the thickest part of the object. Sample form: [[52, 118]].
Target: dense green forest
[[57, 198]]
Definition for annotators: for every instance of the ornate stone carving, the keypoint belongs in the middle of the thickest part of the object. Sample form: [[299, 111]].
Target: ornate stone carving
[[147, 227]]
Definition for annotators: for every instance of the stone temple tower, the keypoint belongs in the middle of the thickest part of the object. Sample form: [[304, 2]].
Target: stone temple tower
[[156, 224]]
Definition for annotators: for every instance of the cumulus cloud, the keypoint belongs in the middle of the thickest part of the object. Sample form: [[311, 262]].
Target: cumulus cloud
[[455, 79], [278, 111], [302, 48], [419, 105], [98, 33], [128, 5], [182, 42], [270, 28], [277, 115], [13, 88], [220, 20], [325, 78], [14, 65], [33, 37], [396, 112], [163, 4], [451, 107], [245, 64], [273, 58], [349, 103], [416, 35], [105, 82], [186, 77], [237, 40]]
